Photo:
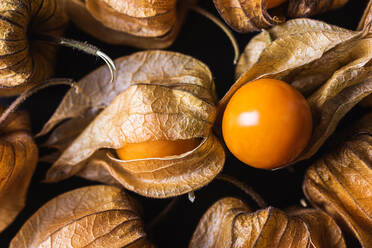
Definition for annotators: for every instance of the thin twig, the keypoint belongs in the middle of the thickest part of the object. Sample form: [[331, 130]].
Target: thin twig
[[21, 98], [81, 46], [245, 188], [227, 31], [162, 214]]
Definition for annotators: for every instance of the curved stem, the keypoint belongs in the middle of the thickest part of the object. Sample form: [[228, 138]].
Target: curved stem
[[162, 214], [223, 27], [81, 46], [21, 98], [245, 188]]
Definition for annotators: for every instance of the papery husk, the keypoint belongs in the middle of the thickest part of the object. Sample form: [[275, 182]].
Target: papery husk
[[367, 17], [340, 183], [157, 95], [230, 223], [25, 61], [94, 216], [330, 66], [136, 23], [18, 160], [247, 16]]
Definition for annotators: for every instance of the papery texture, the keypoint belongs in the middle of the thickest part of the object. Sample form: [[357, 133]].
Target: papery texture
[[340, 183], [141, 24], [230, 223], [18, 160], [157, 96], [247, 16], [329, 65], [95, 216], [24, 60]]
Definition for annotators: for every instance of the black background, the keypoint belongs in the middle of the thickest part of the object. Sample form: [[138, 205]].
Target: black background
[[203, 40]]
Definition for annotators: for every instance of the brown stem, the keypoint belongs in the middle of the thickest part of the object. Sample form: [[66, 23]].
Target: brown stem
[[245, 188], [81, 46], [21, 98], [222, 26], [162, 214]]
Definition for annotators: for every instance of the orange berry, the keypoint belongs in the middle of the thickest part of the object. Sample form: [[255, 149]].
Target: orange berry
[[267, 123], [156, 149], [274, 3]]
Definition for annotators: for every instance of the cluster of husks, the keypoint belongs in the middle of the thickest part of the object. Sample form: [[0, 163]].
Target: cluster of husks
[[159, 95]]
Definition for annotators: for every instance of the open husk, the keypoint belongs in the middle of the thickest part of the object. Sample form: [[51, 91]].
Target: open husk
[[247, 16], [340, 183], [18, 160], [94, 216], [330, 66], [157, 95], [230, 223], [24, 60], [143, 24]]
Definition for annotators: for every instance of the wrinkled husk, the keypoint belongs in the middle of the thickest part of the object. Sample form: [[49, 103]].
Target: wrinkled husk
[[95, 216], [367, 17], [329, 65], [230, 223], [253, 15], [25, 61], [18, 160], [157, 95], [141, 24], [340, 183]]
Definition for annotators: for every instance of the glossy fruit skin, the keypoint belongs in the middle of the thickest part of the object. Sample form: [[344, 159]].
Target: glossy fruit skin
[[267, 123], [274, 3], [156, 149]]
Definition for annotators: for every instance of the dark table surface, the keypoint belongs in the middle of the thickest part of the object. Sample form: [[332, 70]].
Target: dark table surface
[[203, 40]]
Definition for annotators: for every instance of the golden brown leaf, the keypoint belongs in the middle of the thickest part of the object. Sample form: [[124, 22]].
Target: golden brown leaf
[[144, 24], [247, 16], [17, 164], [230, 223], [340, 183], [327, 64], [157, 95], [95, 216], [25, 61]]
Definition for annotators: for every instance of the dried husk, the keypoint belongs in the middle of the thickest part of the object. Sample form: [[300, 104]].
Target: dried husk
[[247, 16], [94, 216], [157, 95], [18, 160], [367, 17], [141, 24], [24, 60], [340, 183], [230, 223], [330, 66]]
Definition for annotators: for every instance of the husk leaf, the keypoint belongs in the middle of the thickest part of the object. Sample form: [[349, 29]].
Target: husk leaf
[[18, 160], [94, 216], [157, 95], [141, 24], [25, 61], [329, 65], [247, 16], [340, 183], [230, 223]]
